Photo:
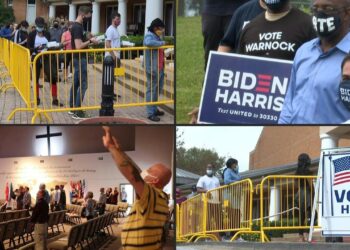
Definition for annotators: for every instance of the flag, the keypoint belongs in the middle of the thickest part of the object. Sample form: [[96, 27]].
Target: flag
[[12, 194], [7, 190], [341, 170]]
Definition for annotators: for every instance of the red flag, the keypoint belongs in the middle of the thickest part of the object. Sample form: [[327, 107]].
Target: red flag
[[7, 190]]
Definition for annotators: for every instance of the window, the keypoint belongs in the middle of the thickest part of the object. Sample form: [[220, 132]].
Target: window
[[31, 1], [9, 2]]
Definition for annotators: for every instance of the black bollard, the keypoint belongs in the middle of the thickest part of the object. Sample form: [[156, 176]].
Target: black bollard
[[107, 87]]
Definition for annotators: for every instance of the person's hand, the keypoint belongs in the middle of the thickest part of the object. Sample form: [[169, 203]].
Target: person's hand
[[109, 141], [94, 40], [193, 116]]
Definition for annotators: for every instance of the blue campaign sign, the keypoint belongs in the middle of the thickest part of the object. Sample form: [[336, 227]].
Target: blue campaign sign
[[243, 89]]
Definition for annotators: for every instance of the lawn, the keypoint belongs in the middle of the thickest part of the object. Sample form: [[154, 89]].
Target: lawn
[[189, 66]]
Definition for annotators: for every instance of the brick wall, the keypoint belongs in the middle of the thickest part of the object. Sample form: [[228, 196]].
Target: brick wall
[[20, 10], [282, 145]]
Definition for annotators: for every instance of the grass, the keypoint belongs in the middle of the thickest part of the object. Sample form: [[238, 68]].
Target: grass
[[189, 66]]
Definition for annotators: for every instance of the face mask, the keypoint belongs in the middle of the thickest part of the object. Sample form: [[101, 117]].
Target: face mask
[[40, 29], [344, 93], [326, 25], [209, 172], [55, 25], [275, 5], [145, 174], [23, 29], [86, 19], [159, 33]]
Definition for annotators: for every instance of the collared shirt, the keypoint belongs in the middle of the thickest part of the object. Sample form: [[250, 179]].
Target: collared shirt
[[27, 198], [144, 227], [231, 176], [313, 91]]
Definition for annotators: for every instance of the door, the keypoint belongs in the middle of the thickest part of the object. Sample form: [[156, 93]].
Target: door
[[129, 189], [169, 18], [31, 11]]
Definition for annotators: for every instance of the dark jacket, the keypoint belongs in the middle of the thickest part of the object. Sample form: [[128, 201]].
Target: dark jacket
[[40, 212], [31, 40]]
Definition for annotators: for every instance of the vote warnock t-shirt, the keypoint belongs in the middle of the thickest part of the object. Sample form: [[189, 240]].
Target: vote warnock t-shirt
[[278, 39]]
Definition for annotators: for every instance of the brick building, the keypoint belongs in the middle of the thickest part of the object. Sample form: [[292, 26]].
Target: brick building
[[136, 14], [278, 146]]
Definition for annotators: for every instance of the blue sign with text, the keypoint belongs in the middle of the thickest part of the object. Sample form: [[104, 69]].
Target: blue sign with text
[[240, 89]]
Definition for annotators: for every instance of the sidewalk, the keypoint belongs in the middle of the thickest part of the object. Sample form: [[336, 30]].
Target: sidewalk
[[11, 100]]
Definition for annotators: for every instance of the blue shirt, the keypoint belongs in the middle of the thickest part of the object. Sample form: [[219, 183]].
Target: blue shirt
[[313, 91], [231, 176]]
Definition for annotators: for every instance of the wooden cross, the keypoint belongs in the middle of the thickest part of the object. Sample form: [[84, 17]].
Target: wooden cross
[[48, 136]]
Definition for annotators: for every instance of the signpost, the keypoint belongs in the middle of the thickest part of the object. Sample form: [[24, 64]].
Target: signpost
[[243, 89]]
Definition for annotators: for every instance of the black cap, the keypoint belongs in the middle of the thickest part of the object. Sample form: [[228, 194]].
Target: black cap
[[156, 23], [40, 22]]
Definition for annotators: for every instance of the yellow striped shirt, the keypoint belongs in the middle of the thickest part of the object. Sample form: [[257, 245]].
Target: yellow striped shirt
[[144, 227]]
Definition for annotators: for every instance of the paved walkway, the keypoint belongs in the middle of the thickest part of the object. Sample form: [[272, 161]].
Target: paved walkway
[[11, 100]]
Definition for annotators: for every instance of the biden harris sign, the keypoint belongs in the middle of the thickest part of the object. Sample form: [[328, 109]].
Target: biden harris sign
[[243, 89], [336, 194]]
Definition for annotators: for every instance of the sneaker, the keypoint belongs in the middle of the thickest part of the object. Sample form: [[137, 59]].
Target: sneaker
[[80, 115], [154, 118], [55, 102], [70, 75], [240, 239], [71, 112], [159, 113]]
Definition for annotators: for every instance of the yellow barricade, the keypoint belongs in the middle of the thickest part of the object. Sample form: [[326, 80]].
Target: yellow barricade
[[17, 62], [227, 209], [286, 203], [71, 80]]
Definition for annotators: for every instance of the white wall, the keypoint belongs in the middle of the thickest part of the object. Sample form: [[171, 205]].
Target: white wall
[[153, 144]]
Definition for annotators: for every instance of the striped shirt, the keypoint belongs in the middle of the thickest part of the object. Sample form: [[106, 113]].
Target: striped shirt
[[144, 227]]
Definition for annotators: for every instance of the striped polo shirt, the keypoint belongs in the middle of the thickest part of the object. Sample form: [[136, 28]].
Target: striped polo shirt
[[144, 227]]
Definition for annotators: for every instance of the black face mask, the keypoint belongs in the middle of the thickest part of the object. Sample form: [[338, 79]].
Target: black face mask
[[86, 19], [344, 93], [326, 25], [55, 25], [275, 5]]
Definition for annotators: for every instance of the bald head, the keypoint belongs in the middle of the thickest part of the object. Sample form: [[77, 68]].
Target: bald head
[[161, 172]]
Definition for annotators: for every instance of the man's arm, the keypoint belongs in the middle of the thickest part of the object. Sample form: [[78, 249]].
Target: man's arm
[[124, 163], [108, 46]]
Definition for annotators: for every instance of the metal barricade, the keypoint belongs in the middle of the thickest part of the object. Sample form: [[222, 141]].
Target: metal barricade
[[139, 81], [286, 203]]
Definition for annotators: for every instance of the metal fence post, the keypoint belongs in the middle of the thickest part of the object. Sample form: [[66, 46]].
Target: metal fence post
[[107, 87]]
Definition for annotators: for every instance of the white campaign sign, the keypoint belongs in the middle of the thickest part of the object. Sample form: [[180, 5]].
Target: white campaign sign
[[335, 193]]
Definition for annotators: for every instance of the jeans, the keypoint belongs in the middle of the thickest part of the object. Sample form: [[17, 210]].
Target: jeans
[[155, 84], [78, 89]]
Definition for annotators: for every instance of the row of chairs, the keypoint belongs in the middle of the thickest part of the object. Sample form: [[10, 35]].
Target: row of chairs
[[14, 231], [13, 215], [56, 219], [120, 209], [73, 214], [87, 233]]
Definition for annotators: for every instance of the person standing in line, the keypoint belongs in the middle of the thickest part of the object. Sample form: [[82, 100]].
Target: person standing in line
[[113, 40], [80, 41], [40, 218], [154, 64]]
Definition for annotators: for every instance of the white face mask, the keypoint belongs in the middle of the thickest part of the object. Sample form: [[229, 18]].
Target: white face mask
[[209, 172], [145, 173]]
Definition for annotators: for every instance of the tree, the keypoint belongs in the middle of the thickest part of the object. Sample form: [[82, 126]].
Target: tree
[[6, 14], [196, 159], [179, 140]]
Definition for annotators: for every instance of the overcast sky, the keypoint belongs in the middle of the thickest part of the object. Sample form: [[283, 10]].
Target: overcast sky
[[235, 142]]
